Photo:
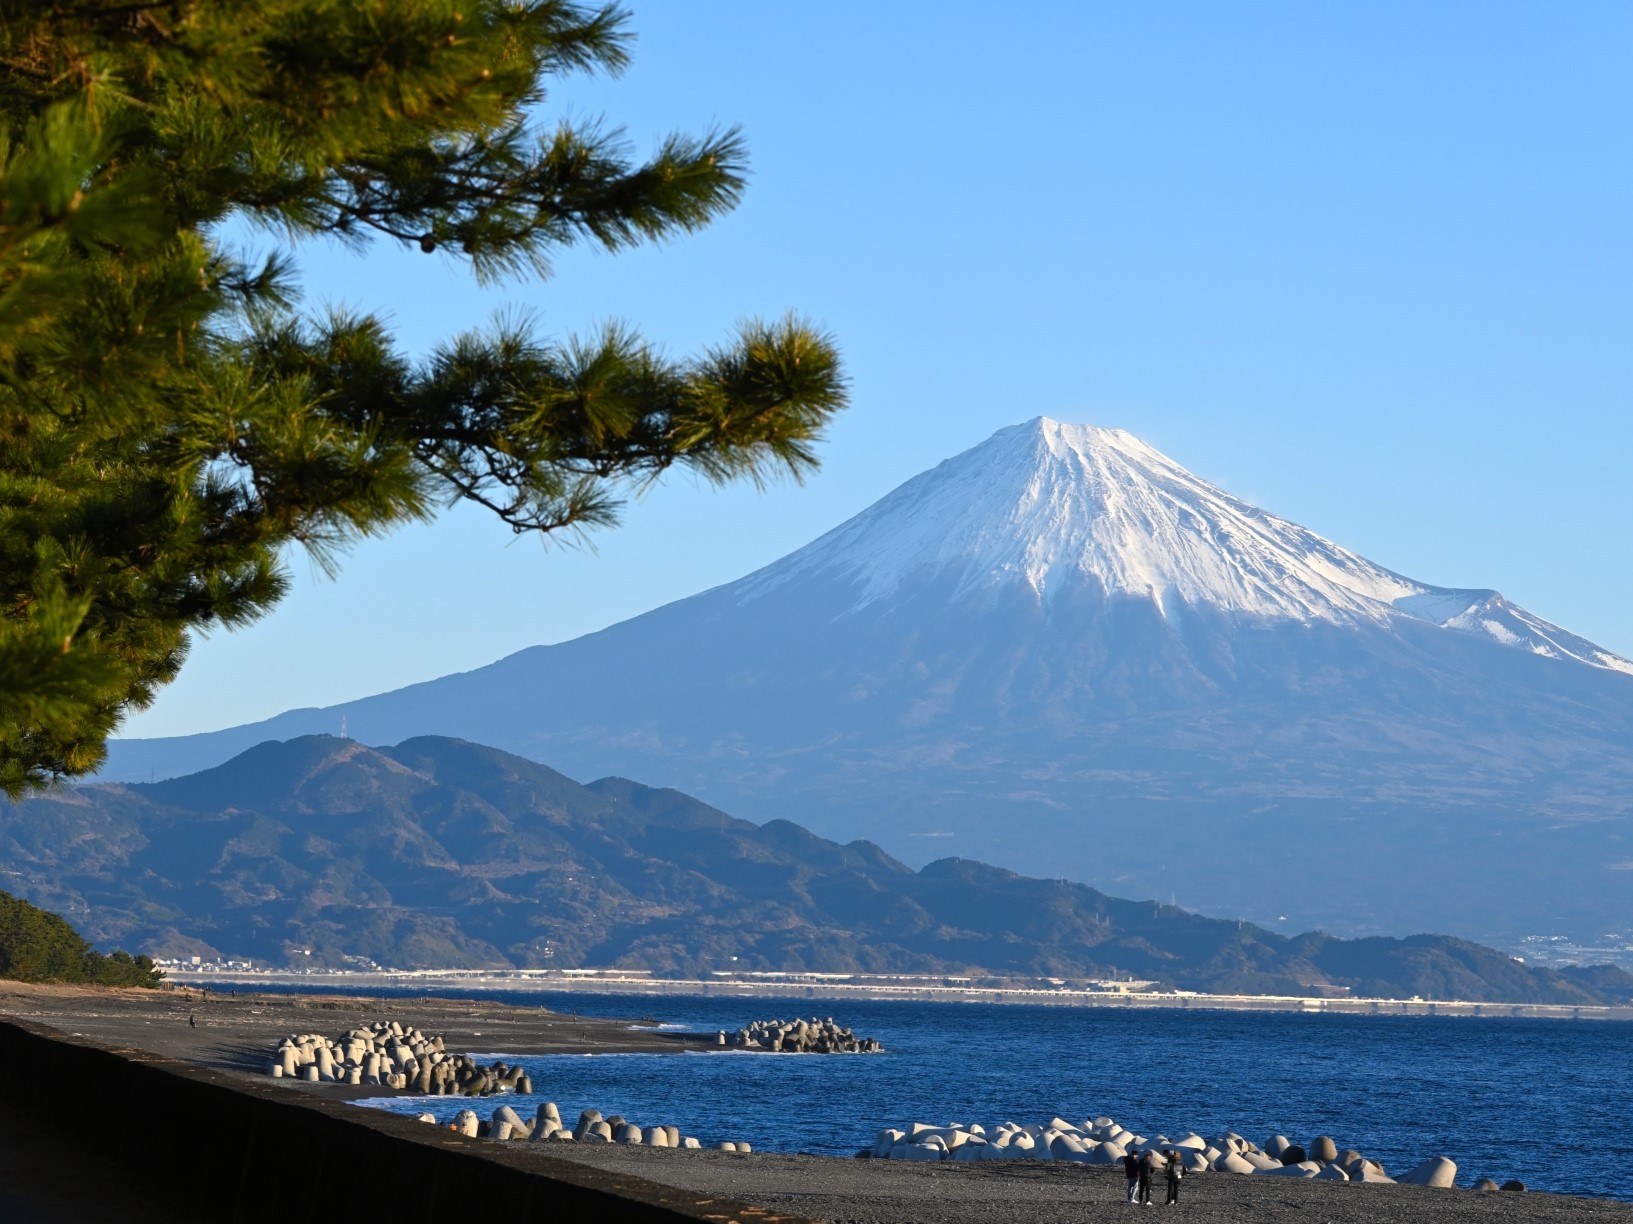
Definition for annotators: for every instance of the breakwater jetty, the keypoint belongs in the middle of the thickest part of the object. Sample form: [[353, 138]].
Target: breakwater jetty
[[391, 1056], [811, 1036]]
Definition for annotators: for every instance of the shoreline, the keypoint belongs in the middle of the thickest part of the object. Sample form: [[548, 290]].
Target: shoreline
[[1025, 1191], [240, 1033], [152, 1137], [821, 988], [233, 1038]]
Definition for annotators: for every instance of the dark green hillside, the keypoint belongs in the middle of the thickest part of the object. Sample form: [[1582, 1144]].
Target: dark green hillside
[[439, 853]]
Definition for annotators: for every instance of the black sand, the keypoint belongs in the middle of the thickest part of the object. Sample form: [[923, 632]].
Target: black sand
[[1032, 1192]]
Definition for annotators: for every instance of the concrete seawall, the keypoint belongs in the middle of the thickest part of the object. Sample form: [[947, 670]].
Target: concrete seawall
[[260, 1152]]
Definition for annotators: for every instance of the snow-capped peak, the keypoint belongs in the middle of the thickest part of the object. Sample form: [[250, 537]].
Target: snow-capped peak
[[1052, 505]]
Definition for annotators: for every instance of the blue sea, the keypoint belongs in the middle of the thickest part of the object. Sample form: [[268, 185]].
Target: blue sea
[[1546, 1101]]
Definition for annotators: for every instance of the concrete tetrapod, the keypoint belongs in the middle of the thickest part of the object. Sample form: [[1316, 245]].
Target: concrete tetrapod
[[1437, 1171], [546, 1121], [1370, 1174], [507, 1115], [1102, 1141], [814, 1036], [393, 1057], [1307, 1168], [592, 1127]]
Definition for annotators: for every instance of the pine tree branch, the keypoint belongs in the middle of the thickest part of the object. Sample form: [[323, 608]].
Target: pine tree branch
[[169, 425]]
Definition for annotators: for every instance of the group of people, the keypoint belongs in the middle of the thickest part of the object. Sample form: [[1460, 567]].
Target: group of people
[[1138, 1167]]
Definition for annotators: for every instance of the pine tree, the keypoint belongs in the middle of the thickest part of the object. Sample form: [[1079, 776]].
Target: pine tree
[[171, 422], [37, 945]]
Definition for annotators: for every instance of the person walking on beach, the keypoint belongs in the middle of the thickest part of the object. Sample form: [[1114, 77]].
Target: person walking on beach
[[1176, 1170], [1145, 1177], [1131, 1170]]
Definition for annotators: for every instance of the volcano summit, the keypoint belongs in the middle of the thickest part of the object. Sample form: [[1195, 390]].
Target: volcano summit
[[1063, 653]]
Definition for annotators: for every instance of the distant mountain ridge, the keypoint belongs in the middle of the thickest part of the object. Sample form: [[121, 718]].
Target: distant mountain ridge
[[1061, 636], [443, 853]]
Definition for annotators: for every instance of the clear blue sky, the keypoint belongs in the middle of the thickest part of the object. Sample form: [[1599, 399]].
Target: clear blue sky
[[1367, 265]]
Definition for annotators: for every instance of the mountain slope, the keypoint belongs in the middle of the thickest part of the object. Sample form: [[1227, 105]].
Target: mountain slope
[[1053, 506], [439, 852], [1062, 653]]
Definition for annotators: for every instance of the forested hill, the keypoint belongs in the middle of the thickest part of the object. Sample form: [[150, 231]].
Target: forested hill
[[442, 853], [39, 946]]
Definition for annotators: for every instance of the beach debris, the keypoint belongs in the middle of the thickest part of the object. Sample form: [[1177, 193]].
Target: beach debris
[[391, 1055], [1101, 1141], [813, 1036]]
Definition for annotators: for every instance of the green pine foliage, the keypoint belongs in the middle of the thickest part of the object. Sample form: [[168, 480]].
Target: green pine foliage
[[171, 421], [39, 946]]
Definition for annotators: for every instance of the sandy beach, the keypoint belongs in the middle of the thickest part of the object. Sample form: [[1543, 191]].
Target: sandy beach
[[235, 1034]]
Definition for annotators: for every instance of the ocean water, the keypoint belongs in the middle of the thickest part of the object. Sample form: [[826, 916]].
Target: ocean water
[[1547, 1101]]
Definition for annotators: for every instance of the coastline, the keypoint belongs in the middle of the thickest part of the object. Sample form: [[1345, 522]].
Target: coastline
[[233, 1036], [118, 1132], [840, 988], [240, 1032], [1026, 1192]]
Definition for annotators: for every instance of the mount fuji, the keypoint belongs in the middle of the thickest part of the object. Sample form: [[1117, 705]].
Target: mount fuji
[[1063, 653]]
